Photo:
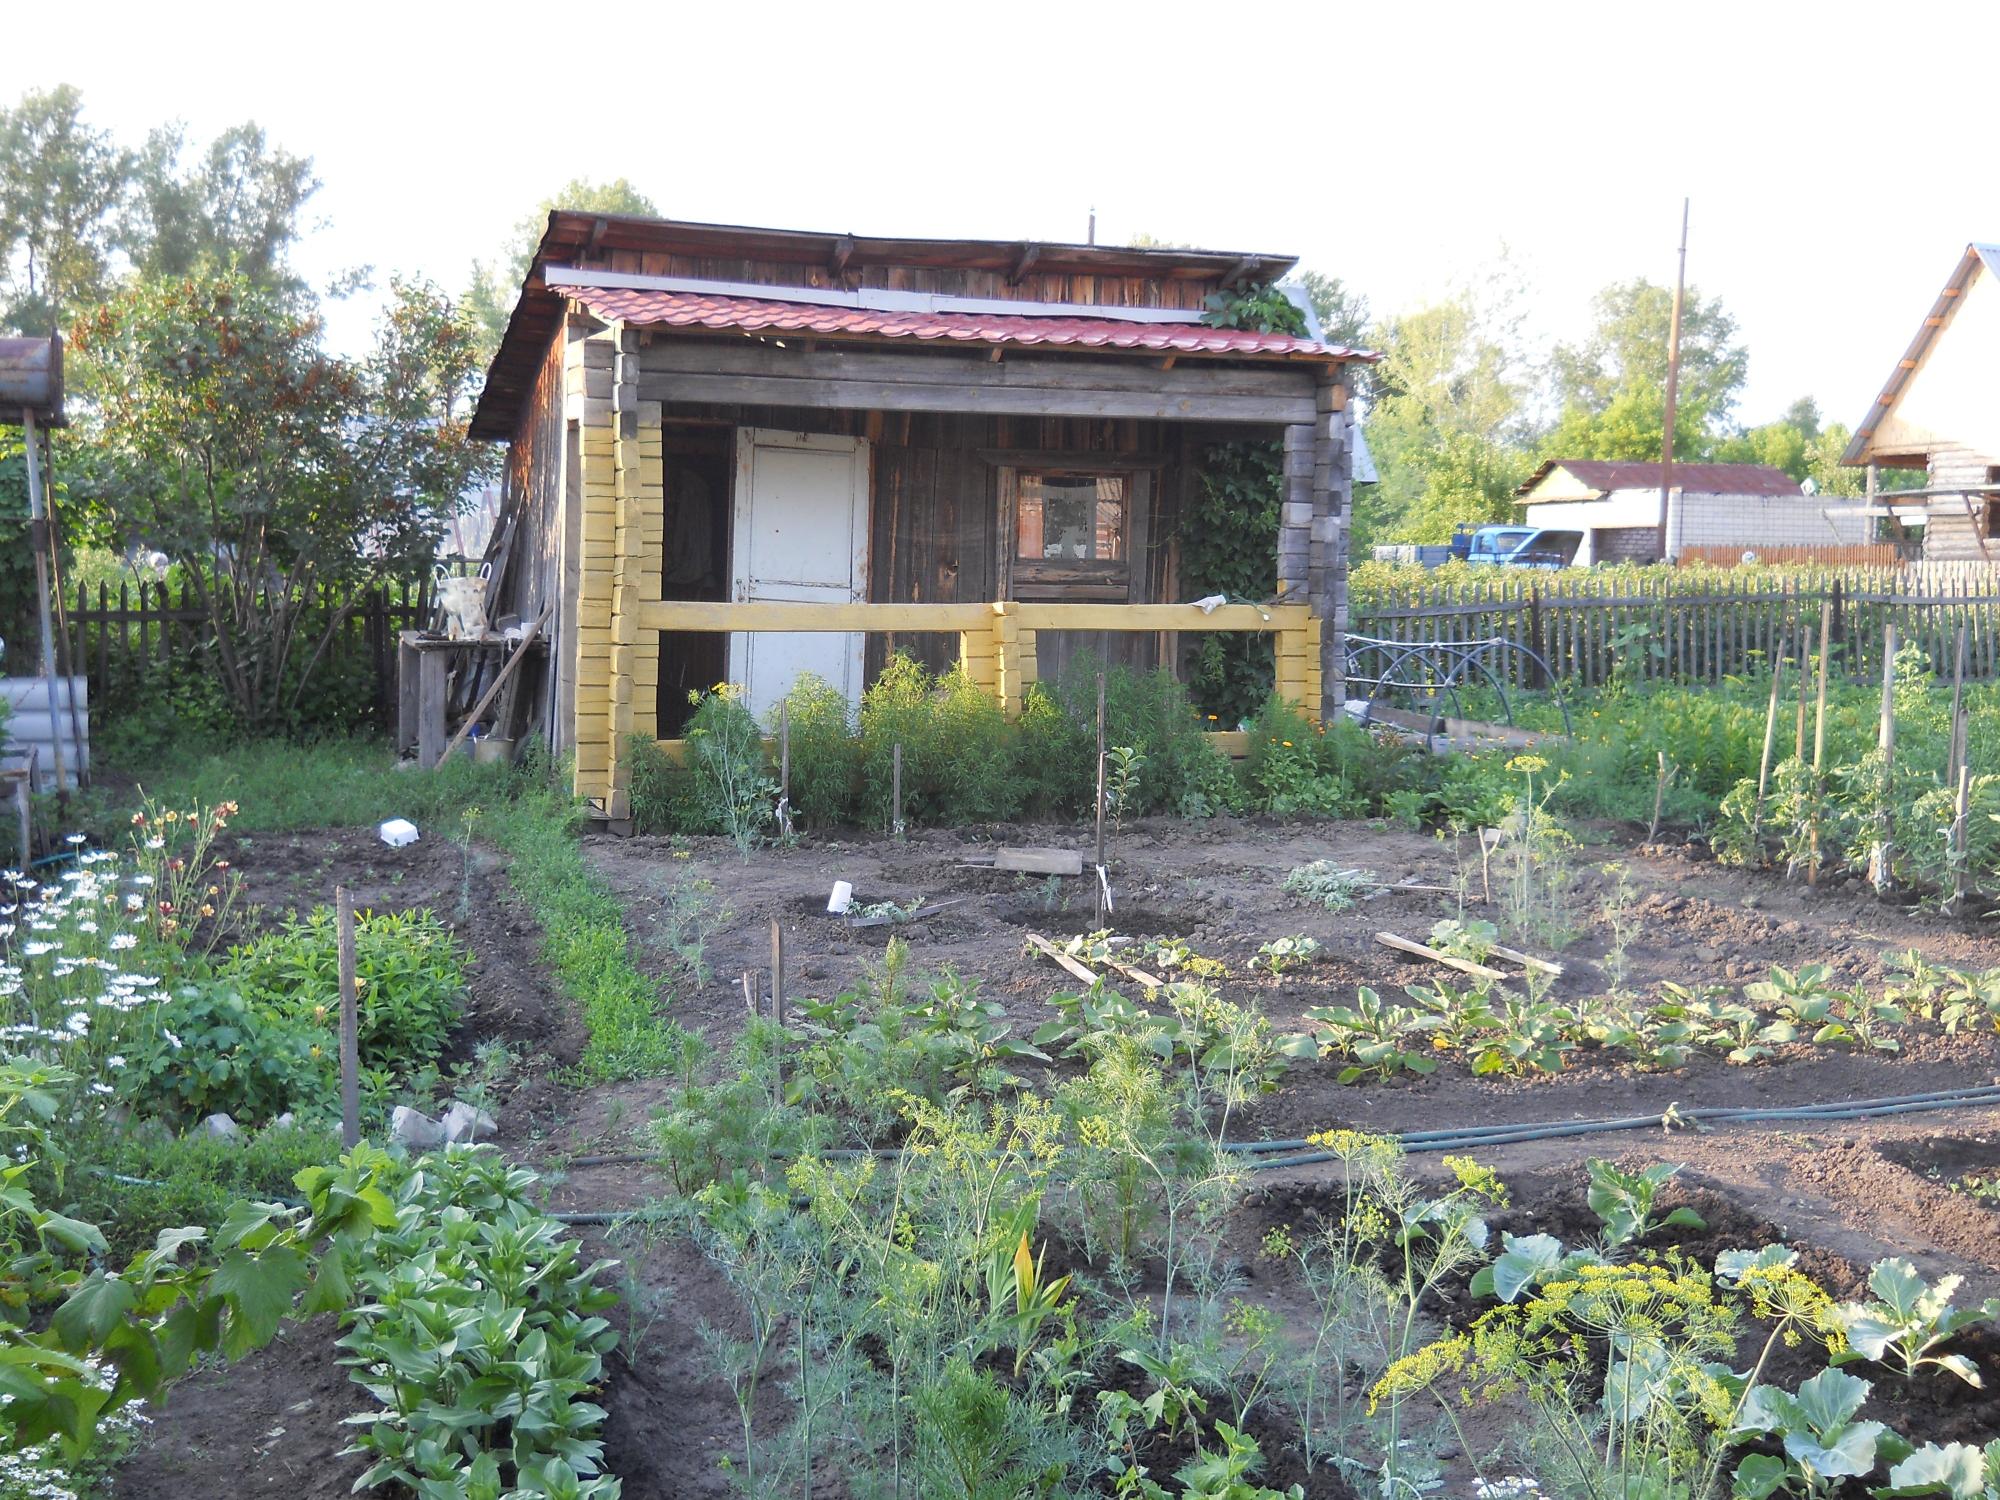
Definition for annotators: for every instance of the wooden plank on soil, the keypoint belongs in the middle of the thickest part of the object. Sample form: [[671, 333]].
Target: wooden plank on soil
[[1527, 960], [1038, 861], [1418, 950], [1076, 970]]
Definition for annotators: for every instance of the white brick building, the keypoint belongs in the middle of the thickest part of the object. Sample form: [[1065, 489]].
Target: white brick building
[[1616, 505]]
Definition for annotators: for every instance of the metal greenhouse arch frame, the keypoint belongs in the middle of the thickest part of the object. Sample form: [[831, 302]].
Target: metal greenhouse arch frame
[[1438, 668]]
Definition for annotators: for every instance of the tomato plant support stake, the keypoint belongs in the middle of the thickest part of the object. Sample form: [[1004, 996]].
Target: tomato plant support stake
[[1957, 751], [778, 1008], [350, 1024], [1886, 742], [1764, 764], [1960, 818], [896, 790], [1819, 735], [1098, 898]]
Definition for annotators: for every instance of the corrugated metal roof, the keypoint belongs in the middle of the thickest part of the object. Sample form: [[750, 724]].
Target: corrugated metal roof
[[1976, 257], [1702, 479], [652, 308]]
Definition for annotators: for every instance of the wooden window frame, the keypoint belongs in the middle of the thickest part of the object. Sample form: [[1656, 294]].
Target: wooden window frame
[[1120, 582]]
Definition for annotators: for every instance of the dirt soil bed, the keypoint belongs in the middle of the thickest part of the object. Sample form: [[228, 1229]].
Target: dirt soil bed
[[1845, 1192]]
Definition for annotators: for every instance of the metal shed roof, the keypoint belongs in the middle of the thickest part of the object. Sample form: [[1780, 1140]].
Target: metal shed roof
[[1605, 475], [539, 310], [653, 308]]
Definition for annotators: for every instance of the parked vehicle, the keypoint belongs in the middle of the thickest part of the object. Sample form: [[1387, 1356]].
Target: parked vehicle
[[1523, 547], [1500, 545]]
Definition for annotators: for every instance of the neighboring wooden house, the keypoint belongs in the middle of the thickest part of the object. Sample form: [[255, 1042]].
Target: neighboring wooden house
[[1616, 505], [742, 454], [1940, 412]]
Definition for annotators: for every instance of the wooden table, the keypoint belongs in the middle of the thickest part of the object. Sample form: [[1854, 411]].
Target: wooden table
[[23, 780], [424, 664]]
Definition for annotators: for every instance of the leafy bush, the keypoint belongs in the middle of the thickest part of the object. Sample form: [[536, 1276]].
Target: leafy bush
[[214, 1050], [958, 751], [479, 1337], [826, 755], [1149, 712], [721, 785], [409, 967], [1055, 754]]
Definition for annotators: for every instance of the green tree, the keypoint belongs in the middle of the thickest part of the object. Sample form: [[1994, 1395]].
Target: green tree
[[237, 204], [61, 183], [1611, 387], [490, 298], [1784, 444], [1342, 311], [1448, 423], [220, 432]]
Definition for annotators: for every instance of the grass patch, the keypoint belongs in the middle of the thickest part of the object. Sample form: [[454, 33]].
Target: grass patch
[[332, 783], [343, 783], [583, 934], [134, 1183]]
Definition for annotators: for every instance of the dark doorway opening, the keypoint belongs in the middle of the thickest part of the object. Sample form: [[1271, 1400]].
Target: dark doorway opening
[[696, 567]]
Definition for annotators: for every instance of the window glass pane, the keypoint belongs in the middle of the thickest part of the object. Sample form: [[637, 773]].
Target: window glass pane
[[1071, 517]]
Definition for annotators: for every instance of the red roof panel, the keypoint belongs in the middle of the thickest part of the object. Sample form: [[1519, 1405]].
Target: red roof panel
[[659, 308]]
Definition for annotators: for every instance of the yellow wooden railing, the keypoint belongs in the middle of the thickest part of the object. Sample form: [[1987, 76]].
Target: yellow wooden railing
[[997, 641]]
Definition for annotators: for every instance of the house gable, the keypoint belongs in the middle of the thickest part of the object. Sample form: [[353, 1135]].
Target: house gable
[[1941, 393]]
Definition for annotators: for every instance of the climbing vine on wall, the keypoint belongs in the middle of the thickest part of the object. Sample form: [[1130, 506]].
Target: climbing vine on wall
[[1229, 533]]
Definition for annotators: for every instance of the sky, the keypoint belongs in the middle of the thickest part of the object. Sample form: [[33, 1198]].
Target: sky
[[1838, 157]]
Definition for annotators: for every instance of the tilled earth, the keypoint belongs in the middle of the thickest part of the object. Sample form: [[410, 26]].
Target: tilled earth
[[1845, 1192]]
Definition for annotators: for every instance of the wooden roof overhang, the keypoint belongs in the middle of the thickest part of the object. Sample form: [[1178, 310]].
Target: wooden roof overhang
[[1010, 371], [1861, 448]]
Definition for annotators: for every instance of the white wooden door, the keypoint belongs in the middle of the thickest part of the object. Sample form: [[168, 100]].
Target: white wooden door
[[799, 532]]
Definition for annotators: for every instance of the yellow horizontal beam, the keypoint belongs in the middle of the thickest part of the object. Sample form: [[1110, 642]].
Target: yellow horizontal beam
[[774, 615], [1160, 617], [778, 616]]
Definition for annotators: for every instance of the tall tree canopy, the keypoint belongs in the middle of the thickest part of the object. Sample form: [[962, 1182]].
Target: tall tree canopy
[[216, 428], [80, 214], [1448, 422], [61, 186], [1611, 387], [236, 204]]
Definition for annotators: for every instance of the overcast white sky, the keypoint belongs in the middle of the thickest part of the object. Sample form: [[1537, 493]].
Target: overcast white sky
[[1839, 156]]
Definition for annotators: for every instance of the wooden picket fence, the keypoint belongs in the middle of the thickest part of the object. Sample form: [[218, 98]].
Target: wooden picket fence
[[1691, 626], [1855, 555], [120, 639]]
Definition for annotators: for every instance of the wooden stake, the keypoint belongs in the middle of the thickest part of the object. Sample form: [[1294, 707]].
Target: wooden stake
[[1819, 735], [1805, 687], [778, 1006], [350, 1023], [1097, 896], [1961, 817], [785, 763], [749, 982], [1659, 799], [1764, 764], [896, 790], [1076, 970], [1956, 753], [1885, 741]]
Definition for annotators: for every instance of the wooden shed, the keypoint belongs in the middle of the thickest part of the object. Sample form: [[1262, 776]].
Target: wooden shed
[[743, 454]]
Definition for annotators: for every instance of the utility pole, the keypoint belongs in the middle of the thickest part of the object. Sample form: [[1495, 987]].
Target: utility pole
[[1673, 383]]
